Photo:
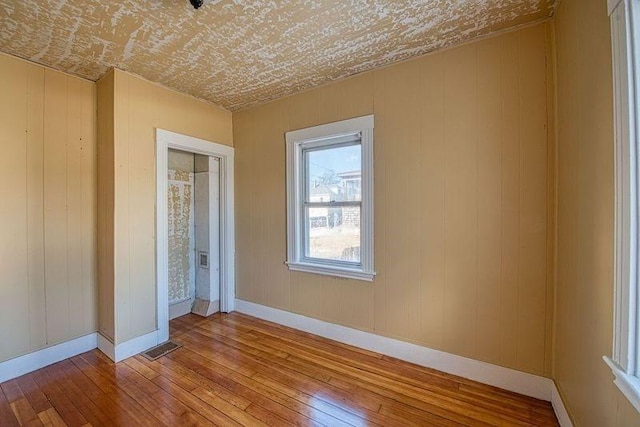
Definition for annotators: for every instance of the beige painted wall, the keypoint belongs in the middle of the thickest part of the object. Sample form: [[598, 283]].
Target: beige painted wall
[[47, 214], [139, 108], [584, 313], [461, 194]]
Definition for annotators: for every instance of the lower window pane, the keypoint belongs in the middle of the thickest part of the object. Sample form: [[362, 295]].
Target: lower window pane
[[334, 233]]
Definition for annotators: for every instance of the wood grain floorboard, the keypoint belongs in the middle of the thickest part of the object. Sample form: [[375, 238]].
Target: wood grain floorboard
[[236, 370]]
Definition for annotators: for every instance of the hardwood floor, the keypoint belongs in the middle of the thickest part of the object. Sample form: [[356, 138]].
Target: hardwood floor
[[237, 370]]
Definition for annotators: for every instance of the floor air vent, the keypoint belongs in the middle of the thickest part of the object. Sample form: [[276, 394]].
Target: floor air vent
[[160, 350]]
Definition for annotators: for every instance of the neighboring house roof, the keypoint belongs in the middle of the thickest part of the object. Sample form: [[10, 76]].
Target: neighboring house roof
[[321, 190], [350, 174]]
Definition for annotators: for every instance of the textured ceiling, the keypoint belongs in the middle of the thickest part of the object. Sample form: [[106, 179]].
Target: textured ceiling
[[238, 53]]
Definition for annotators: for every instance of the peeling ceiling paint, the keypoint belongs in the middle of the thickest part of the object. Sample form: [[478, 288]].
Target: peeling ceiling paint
[[237, 53]]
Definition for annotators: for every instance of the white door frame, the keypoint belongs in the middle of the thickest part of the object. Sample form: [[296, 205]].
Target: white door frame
[[164, 141]]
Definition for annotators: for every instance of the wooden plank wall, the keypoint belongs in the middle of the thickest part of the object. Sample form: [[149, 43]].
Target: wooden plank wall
[[461, 202], [48, 209]]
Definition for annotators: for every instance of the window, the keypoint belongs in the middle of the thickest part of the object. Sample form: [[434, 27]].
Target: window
[[330, 199], [625, 360]]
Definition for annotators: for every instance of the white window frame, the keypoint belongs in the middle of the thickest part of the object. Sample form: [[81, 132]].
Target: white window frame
[[325, 135], [625, 359]]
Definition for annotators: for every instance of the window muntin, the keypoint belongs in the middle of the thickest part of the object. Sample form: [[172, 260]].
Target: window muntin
[[330, 199]]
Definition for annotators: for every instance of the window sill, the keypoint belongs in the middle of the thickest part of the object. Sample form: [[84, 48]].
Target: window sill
[[347, 273], [628, 384]]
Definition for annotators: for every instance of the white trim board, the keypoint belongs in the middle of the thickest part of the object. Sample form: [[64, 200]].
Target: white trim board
[[128, 348], [324, 137], [519, 382], [625, 355], [626, 383], [558, 407], [164, 140], [22, 365], [612, 4], [498, 376], [180, 308]]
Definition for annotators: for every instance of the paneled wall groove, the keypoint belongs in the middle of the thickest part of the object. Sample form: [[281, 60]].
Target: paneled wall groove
[[35, 206]]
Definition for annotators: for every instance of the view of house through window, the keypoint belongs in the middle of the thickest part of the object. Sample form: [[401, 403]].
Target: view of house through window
[[333, 198]]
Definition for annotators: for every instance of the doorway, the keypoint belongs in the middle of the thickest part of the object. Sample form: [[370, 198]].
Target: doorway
[[193, 208], [195, 228]]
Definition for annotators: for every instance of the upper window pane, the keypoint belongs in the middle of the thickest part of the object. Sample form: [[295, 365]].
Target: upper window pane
[[334, 174]]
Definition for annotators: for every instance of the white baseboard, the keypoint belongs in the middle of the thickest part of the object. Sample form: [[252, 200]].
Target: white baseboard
[[22, 365], [509, 379], [128, 348], [558, 407], [106, 346], [180, 309], [498, 376]]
